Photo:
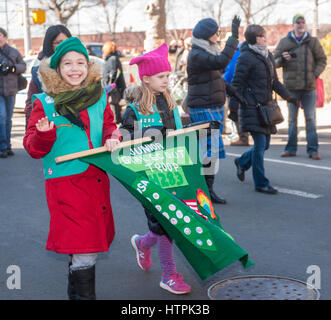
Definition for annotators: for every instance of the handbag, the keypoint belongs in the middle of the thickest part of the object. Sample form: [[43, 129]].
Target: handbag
[[319, 93], [269, 115], [115, 96], [21, 83]]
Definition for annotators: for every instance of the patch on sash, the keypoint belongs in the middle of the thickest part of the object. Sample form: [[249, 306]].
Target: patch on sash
[[49, 100]]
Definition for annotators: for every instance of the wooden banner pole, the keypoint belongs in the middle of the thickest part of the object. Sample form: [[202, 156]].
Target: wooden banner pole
[[90, 152]]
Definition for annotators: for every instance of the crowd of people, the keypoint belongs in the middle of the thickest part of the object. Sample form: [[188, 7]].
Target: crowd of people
[[68, 110]]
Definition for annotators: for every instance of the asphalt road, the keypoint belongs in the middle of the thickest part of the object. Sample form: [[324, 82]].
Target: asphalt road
[[284, 234]]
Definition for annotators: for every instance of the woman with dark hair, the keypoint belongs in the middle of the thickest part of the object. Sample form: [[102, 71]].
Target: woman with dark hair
[[206, 90], [113, 74], [255, 78], [53, 37]]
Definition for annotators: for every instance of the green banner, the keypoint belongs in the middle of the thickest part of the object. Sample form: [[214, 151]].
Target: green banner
[[165, 177]]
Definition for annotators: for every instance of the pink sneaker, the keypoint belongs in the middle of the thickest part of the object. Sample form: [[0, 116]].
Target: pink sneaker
[[175, 284], [143, 255]]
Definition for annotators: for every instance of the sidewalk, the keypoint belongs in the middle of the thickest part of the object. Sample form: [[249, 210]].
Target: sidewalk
[[323, 121]]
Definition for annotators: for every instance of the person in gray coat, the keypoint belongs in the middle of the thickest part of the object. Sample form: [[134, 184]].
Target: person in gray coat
[[11, 66]]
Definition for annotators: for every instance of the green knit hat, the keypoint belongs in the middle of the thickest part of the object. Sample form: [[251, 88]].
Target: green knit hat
[[69, 44], [297, 16]]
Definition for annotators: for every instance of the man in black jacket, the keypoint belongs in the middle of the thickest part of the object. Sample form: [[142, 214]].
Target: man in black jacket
[[206, 89]]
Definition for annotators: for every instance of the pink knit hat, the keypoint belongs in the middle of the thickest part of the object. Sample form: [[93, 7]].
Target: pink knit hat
[[153, 62]]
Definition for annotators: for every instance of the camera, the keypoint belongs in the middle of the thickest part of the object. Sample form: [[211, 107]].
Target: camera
[[5, 69], [292, 54]]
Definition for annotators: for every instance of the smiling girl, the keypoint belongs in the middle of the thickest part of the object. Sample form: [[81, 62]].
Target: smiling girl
[[73, 115]]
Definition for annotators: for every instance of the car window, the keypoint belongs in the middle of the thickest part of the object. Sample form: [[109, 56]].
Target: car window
[[95, 50]]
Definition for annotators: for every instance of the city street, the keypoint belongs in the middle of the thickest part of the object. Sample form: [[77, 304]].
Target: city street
[[284, 234]]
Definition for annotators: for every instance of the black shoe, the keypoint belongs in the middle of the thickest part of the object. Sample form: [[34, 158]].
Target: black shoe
[[10, 152], [82, 284], [267, 190], [3, 153], [213, 196], [240, 170]]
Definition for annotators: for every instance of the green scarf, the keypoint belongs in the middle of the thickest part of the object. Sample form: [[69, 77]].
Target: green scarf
[[70, 103]]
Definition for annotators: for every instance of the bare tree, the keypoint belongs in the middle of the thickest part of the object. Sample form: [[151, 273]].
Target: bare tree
[[112, 9], [63, 10], [156, 31], [247, 8], [219, 12]]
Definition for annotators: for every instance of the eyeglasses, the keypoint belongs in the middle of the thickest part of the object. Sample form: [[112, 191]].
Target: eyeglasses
[[261, 36], [300, 22]]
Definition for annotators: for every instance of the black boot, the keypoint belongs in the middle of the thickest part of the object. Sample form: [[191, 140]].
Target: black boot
[[83, 284], [72, 295], [214, 197]]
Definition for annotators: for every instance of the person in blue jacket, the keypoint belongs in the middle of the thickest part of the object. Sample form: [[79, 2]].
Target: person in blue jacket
[[228, 75]]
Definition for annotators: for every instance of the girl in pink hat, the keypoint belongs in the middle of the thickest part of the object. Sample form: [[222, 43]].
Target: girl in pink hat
[[153, 107]]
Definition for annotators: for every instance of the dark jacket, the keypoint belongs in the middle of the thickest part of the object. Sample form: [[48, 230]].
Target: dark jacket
[[259, 74], [167, 117], [112, 66], [34, 88], [8, 83], [309, 61], [206, 88]]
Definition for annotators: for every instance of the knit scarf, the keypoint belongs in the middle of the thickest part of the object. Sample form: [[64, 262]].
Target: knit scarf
[[70, 103], [212, 48], [305, 35], [260, 49]]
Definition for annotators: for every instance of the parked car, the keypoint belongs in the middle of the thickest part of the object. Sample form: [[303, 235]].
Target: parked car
[[94, 49]]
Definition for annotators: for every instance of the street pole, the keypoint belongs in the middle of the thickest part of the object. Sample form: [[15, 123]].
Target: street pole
[[27, 33], [6, 8], [315, 25]]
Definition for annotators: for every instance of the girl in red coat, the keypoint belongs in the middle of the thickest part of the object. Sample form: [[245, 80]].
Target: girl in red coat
[[73, 115]]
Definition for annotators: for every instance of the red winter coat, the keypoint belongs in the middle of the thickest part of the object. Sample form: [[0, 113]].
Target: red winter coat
[[81, 218]]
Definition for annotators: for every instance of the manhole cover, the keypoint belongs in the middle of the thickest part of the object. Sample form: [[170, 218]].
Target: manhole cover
[[262, 288]]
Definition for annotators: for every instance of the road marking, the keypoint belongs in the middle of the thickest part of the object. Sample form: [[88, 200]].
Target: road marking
[[293, 163], [299, 193]]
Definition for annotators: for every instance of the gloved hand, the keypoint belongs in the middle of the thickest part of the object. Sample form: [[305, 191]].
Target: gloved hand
[[293, 100], [233, 116], [235, 26]]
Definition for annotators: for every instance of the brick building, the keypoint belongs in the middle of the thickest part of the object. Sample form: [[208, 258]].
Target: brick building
[[135, 40]]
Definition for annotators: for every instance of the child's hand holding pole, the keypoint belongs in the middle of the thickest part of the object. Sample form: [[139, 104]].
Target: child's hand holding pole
[[111, 144]]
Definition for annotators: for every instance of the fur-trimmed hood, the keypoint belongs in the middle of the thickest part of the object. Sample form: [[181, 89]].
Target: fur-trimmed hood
[[53, 83]]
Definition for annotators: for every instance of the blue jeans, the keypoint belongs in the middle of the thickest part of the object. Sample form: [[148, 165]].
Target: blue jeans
[[308, 101], [254, 158], [6, 113]]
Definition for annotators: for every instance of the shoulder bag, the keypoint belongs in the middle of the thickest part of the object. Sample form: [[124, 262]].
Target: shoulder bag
[[269, 114]]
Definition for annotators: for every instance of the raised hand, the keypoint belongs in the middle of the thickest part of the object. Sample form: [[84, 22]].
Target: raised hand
[[44, 125], [235, 26]]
